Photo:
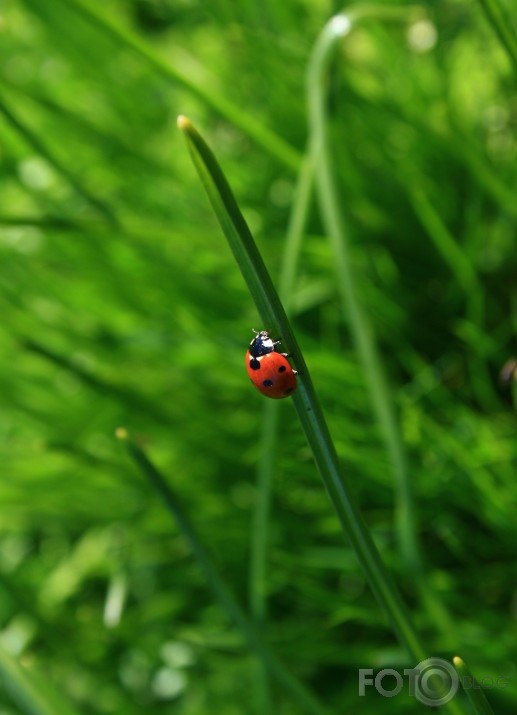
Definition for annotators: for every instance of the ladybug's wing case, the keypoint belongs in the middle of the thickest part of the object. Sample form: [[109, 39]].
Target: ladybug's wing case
[[271, 374]]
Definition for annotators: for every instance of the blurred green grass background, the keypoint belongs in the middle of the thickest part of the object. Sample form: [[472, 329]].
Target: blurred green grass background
[[121, 305]]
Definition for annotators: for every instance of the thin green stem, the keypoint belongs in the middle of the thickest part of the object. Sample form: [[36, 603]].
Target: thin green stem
[[334, 222], [382, 403], [295, 230], [218, 586]]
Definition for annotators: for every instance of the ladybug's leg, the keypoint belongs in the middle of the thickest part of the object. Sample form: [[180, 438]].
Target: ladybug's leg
[[286, 355]]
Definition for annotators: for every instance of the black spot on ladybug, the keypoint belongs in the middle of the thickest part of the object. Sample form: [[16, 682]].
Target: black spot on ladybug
[[255, 364], [282, 368], [268, 383]]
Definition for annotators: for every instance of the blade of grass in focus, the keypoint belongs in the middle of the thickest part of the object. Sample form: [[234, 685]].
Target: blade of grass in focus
[[307, 405], [218, 586], [305, 399]]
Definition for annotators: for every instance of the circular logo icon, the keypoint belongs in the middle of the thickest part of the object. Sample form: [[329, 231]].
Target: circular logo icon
[[436, 682]]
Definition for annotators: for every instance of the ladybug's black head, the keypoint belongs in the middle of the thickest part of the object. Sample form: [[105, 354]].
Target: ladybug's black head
[[262, 344]]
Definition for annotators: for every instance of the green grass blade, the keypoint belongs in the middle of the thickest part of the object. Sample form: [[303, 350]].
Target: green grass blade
[[295, 230], [330, 38], [307, 405], [268, 140], [218, 586], [476, 695]]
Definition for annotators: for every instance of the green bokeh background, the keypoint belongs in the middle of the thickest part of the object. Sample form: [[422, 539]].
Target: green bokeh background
[[121, 305]]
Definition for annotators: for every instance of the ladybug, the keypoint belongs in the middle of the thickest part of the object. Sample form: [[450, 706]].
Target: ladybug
[[268, 370]]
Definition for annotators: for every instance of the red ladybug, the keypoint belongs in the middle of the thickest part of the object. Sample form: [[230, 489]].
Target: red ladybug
[[268, 370]]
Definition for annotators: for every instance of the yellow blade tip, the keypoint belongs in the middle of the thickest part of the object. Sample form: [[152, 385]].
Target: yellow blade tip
[[121, 433], [183, 122]]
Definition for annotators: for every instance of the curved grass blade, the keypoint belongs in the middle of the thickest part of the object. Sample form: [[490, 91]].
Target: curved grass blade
[[323, 53], [218, 586]]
